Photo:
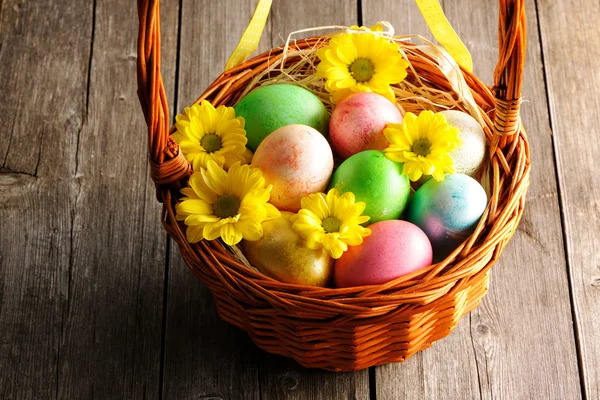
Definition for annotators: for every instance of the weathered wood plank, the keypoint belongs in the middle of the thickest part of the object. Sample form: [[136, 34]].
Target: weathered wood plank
[[529, 286], [205, 358], [448, 369], [573, 81], [112, 326], [149, 311], [282, 378], [41, 115], [510, 360], [403, 15]]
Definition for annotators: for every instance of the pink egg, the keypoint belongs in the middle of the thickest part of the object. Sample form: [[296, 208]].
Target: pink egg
[[394, 248], [357, 123], [297, 161]]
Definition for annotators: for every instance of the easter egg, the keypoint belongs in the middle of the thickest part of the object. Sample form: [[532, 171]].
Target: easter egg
[[469, 157], [447, 211], [394, 249], [271, 107], [357, 123], [375, 180], [297, 161], [282, 255]]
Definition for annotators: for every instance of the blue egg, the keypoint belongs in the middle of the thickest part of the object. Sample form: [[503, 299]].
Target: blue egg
[[447, 211]]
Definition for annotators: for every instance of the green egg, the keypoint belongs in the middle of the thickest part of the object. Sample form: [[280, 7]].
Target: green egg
[[375, 180], [268, 108]]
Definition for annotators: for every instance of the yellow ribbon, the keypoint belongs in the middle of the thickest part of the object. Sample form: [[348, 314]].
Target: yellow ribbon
[[430, 9], [249, 41], [443, 32]]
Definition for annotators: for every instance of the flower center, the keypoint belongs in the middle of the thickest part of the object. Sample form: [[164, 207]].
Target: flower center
[[421, 147], [331, 224], [362, 69], [226, 206], [211, 143]]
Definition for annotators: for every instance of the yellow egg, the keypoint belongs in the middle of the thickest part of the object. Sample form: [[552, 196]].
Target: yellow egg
[[297, 161], [282, 255]]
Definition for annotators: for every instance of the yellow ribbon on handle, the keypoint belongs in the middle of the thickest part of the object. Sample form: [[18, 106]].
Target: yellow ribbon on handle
[[249, 41], [443, 32]]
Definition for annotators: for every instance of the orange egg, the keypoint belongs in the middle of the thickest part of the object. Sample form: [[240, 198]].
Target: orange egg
[[297, 161]]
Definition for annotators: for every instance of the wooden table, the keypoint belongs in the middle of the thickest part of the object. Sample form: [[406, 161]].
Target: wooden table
[[95, 302]]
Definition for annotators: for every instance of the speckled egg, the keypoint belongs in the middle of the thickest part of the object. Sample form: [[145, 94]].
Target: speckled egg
[[297, 161], [469, 157], [282, 254], [357, 123], [447, 211], [375, 180], [271, 107], [394, 249]]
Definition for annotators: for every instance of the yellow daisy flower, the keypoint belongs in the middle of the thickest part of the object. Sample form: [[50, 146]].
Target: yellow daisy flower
[[205, 133], [423, 144], [231, 205], [331, 222], [360, 62]]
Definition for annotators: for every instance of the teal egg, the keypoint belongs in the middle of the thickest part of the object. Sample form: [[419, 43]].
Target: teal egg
[[375, 180], [271, 107], [447, 211]]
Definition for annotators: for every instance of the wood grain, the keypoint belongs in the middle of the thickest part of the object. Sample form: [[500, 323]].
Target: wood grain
[[41, 115], [83, 255], [111, 340], [573, 81], [495, 352]]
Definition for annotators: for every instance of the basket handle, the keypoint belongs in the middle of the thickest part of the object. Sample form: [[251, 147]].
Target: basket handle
[[167, 164], [508, 75]]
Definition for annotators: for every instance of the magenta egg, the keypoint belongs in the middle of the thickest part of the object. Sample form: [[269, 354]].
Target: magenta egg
[[357, 123], [394, 248]]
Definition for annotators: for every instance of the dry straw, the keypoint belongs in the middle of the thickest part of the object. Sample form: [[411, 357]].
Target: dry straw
[[354, 328]]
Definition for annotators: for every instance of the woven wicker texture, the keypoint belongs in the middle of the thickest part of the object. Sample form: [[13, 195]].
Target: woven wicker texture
[[352, 328]]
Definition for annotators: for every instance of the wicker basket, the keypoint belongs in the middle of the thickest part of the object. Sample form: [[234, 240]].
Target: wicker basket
[[353, 328]]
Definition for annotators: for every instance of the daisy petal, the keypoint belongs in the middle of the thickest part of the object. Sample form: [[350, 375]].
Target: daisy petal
[[250, 229], [230, 234], [194, 234], [215, 177]]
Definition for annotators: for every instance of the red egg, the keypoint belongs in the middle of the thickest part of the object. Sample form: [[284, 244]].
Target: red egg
[[394, 248], [357, 123]]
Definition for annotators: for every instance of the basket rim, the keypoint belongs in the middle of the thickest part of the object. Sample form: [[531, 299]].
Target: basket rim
[[440, 278]]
